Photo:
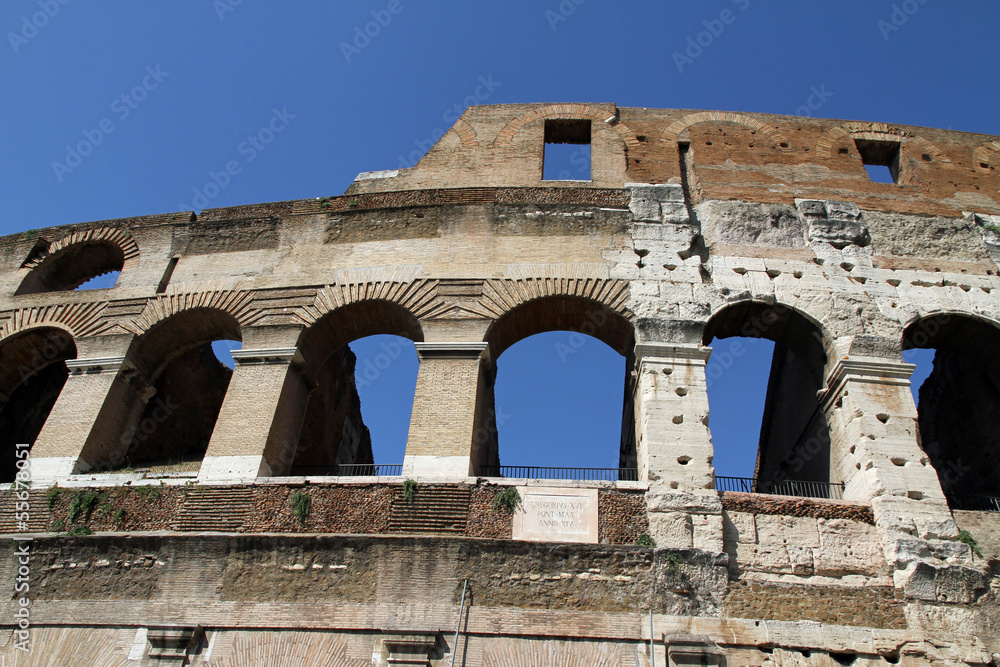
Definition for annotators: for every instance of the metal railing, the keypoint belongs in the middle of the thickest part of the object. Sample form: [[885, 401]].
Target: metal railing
[[348, 470], [828, 490], [579, 474], [958, 501]]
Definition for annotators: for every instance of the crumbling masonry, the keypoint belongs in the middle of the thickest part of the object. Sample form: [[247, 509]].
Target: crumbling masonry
[[690, 226]]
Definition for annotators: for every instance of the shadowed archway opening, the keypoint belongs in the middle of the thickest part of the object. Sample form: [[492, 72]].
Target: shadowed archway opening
[[958, 405], [162, 408], [32, 374], [561, 404], [791, 435]]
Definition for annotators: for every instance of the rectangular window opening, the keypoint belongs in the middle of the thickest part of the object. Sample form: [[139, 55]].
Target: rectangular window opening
[[567, 150], [881, 159]]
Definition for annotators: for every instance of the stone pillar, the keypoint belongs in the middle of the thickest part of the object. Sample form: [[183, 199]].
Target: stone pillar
[[258, 425], [81, 430], [443, 423], [671, 404], [874, 451], [675, 445]]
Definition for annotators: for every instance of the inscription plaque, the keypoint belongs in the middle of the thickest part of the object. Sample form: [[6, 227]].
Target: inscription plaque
[[549, 514]]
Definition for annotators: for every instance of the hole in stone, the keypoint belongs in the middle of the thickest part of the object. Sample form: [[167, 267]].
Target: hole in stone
[[740, 270], [784, 144], [670, 267], [915, 495], [797, 274], [681, 391], [642, 252], [708, 143], [984, 165], [846, 266], [818, 260], [678, 419], [853, 447], [843, 151], [806, 653], [893, 281], [897, 461], [683, 460], [844, 658], [892, 658], [668, 371], [640, 264], [882, 417], [773, 273], [673, 485]]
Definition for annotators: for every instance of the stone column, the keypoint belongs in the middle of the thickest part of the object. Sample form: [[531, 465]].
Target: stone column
[[450, 383], [258, 425], [82, 428], [874, 450], [675, 446]]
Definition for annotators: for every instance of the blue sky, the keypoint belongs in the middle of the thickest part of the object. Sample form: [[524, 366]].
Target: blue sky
[[164, 94]]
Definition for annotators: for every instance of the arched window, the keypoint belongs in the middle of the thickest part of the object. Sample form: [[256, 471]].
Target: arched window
[[32, 373], [560, 367], [793, 454], [72, 266], [959, 404], [364, 366]]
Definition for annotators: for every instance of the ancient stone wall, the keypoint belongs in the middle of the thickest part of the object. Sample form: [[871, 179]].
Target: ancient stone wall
[[694, 226]]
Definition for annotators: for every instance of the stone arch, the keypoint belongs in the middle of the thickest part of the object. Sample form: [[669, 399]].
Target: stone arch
[[959, 403], [32, 374], [466, 134], [794, 444], [985, 155], [72, 260], [333, 433], [162, 406], [600, 315], [77, 319], [673, 131], [228, 298], [879, 132], [596, 113]]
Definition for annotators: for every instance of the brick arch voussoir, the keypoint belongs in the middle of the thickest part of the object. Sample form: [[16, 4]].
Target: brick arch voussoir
[[674, 130], [230, 299], [114, 235], [879, 132], [77, 319], [600, 114]]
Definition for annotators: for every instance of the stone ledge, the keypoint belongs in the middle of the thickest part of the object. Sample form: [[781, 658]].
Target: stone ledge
[[759, 503]]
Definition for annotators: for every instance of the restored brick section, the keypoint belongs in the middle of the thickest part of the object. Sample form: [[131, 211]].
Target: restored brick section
[[484, 520], [755, 503], [873, 606], [332, 509], [622, 516], [118, 508]]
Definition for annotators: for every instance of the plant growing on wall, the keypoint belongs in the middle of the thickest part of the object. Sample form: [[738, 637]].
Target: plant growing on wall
[[51, 495], [646, 541], [966, 537], [409, 488], [508, 499], [301, 503], [82, 505]]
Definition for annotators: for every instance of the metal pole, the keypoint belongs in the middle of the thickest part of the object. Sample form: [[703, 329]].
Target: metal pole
[[461, 608], [652, 657]]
